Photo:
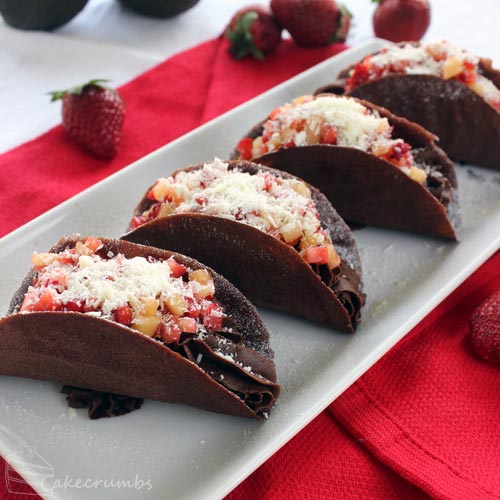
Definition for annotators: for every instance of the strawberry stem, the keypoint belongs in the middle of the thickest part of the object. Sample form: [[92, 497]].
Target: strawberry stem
[[77, 90], [241, 38], [57, 94]]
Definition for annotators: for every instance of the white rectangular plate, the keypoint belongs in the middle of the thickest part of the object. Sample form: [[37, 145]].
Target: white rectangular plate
[[170, 451]]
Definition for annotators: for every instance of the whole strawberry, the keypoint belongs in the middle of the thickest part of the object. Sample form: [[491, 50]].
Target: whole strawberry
[[311, 23], [485, 329], [93, 115], [253, 31], [401, 20]]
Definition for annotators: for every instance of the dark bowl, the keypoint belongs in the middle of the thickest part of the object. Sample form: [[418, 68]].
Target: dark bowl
[[159, 8], [43, 15]]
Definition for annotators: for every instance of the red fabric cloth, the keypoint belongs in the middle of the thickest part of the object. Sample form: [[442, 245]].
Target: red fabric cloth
[[430, 408], [421, 422]]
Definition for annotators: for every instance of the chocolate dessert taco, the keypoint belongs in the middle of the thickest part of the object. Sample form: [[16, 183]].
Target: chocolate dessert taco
[[275, 237], [124, 319], [374, 167], [447, 90]]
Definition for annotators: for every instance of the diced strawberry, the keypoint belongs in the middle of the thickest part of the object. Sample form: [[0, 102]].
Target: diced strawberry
[[213, 323], [45, 302], [212, 316], [55, 278], [316, 255], [268, 181], [124, 315], [176, 269], [359, 76], [74, 306], [275, 112], [298, 125], [469, 66], [395, 67], [150, 195], [244, 148], [169, 332], [399, 150], [67, 257], [194, 308], [468, 76], [328, 134], [289, 144], [26, 305], [439, 55], [137, 221], [188, 325], [398, 154], [154, 210], [93, 243], [201, 200]]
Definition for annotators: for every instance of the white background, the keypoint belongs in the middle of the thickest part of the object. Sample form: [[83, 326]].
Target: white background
[[107, 41]]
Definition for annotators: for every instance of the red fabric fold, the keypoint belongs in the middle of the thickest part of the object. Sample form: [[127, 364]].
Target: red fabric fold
[[421, 422]]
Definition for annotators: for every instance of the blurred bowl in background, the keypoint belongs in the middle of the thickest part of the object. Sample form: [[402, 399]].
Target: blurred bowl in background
[[43, 15], [159, 8]]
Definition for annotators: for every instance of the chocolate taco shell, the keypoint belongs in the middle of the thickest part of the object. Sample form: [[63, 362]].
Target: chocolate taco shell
[[467, 126], [268, 271], [365, 189], [234, 376]]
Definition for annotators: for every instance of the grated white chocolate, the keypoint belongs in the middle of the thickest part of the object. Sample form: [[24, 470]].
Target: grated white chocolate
[[269, 203], [356, 126]]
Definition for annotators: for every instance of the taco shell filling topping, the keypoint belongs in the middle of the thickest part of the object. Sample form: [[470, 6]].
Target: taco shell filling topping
[[333, 121], [440, 59], [282, 208], [160, 299]]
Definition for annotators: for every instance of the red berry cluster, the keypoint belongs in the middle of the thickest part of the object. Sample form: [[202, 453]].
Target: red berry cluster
[[255, 30]]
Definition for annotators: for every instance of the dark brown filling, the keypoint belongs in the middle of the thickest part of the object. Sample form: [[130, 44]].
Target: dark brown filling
[[345, 283], [100, 404], [440, 187], [347, 289]]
